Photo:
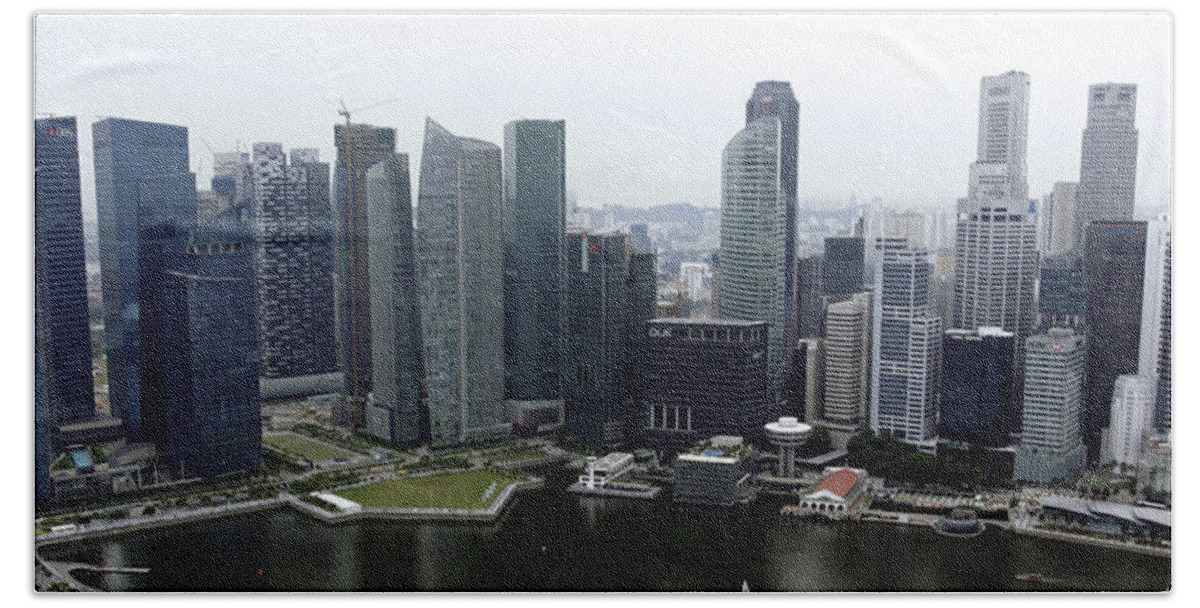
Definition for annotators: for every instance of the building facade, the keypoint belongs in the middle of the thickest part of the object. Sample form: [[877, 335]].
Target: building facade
[[842, 271], [293, 262], [1108, 158], [1050, 446], [359, 147], [977, 387], [144, 194], [703, 377], [397, 413], [461, 281], [1059, 216], [753, 253], [1062, 292], [63, 344], [1131, 422], [847, 396], [534, 225], [1114, 262], [906, 349], [999, 172]]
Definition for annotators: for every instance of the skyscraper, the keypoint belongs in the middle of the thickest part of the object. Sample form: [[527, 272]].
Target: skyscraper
[[773, 98], [906, 349], [1050, 446], [847, 398], [1062, 292], [359, 148], [397, 414], [293, 262], [460, 276], [200, 394], [63, 342], [998, 174], [842, 269], [1115, 266], [534, 224], [144, 194], [754, 270], [810, 303], [1154, 348], [1131, 421], [1060, 216], [977, 387], [1162, 402], [703, 377], [1108, 159]]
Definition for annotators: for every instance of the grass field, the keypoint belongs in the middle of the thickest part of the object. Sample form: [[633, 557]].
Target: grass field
[[454, 491], [303, 447]]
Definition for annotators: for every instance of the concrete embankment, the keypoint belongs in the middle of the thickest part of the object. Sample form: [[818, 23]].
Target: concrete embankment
[[420, 514], [112, 528]]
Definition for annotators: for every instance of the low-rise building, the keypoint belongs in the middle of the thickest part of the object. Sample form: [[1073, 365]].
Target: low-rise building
[[716, 472], [1105, 518], [601, 471], [837, 492]]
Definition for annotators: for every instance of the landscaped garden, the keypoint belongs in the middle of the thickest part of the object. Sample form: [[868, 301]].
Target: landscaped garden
[[465, 490], [303, 447]]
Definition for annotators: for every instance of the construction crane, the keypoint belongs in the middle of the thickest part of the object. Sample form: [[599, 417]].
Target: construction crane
[[355, 217]]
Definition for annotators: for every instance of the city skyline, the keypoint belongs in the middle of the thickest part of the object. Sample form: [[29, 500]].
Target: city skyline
[[635, 145]]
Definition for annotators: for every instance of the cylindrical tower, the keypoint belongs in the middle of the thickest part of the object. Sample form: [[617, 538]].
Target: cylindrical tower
[[787, 434]]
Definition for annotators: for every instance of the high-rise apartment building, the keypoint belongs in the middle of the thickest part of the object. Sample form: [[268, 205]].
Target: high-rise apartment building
[[754, 270], [359, 147], [63, 340], [703, 377], [1114, 262], [200, 401], [534, 225], [293, 262], [906, 349], [397, 412], [847, 340], [773, 98], [1053, 397], [1108, 159], [461, 280], [977, 387], [145, 194]]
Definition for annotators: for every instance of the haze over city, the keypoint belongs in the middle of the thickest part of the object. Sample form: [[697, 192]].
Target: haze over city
[[888, 103]]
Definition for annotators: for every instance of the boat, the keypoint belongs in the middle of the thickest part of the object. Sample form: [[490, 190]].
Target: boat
[[1030, 577]]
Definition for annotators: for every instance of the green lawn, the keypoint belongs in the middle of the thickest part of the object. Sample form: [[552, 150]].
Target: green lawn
[[303, 447], [454, 491]]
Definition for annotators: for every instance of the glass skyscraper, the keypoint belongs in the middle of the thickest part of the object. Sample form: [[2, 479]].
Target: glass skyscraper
[[63, 342], [534, 224], [398, 414], [460, 271], [977, 387], [144, 194], [754, 270]]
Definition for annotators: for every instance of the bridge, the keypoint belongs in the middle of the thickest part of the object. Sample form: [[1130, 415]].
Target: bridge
[[63, 570]]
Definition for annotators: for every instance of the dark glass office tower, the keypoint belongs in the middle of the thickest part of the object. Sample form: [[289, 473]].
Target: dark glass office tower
[[703, 377], [641, 307], [775, 98], [977, 387], [810, 306], [201, 405], [1114, 261], [842, 273], [1062, 292], [398, 414], [359, 148], [597, 337], [293, 262], [144, 193], [534, 224], [43, 454], [63, 345]]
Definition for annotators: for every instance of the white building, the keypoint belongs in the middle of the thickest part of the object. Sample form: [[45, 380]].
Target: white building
[[601, 471], [999, 170], [837, 491], [847, 362], [1131, 421], [1051, 407], [696, 277]]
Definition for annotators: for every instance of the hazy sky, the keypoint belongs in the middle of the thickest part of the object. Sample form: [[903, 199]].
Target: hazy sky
[[888, 103]]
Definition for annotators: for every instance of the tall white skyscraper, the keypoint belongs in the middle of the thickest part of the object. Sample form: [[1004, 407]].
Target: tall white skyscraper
[[906, 348], [995, 256], [999, 170], [1108, 159], [1154, 348], [753, 235], [1057, 217], [846, 403], [1131, 421], [1052, 406]]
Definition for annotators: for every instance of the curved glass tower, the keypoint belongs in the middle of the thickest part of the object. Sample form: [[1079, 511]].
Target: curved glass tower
[[754, 235]]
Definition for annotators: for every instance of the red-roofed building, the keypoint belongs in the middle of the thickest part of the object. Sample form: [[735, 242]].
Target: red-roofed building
[[837, 492]]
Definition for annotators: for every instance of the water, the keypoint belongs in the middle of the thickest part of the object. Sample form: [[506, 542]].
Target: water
[[550, 540]]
